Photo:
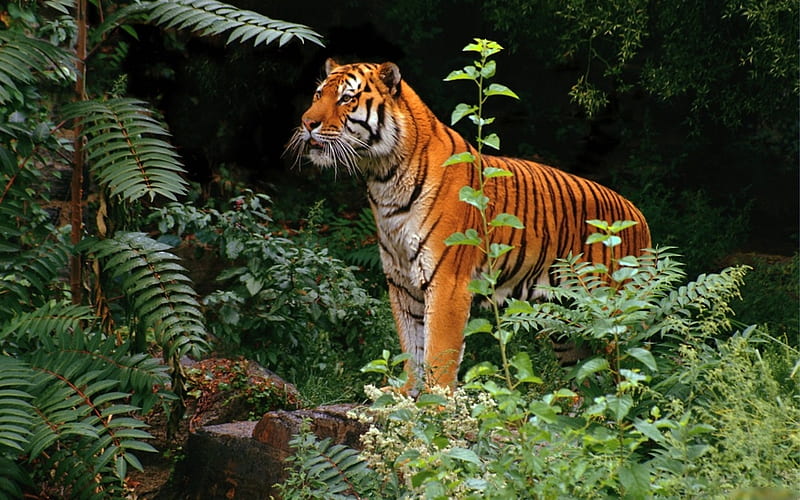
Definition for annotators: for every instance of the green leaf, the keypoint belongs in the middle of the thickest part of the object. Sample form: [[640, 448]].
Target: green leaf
[[521, 362], [621, 225], [497, 250], [465, 157], [492, 172], [492, 140], [497, 89], [468, 237], [482, 369], [488, 70], [590, 367], [597, 238], [507, 220], [619, 405], [645, 356], [628, 261], [516, 306], [464, 455], [458, 75], [480, 287], [635, 479], [649, 430], [543, 411], [624, 273], [478, 325], [474, 197], [431, 400], [599, 224], [460, 111]]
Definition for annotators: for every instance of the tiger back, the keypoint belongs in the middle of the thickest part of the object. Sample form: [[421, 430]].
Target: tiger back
[[365, 118]]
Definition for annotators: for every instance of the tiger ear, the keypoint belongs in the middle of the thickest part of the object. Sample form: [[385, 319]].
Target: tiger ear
[[330, 65], [389, 74]]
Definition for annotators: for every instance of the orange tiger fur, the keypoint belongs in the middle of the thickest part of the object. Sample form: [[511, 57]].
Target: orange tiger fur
[[365, 118]]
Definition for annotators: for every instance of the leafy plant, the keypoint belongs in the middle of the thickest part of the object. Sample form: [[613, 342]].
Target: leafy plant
[[285, 302], [485, 286], [322, 470], [72, 380]]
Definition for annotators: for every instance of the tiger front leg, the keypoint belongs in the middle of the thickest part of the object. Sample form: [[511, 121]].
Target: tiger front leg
[[447, 307], [408, 309]]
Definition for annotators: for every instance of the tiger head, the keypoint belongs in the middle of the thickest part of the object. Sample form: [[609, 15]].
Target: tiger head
[[351, 121]]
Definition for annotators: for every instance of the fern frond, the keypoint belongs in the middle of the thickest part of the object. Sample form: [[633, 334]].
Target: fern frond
[[15, 424], [210, 17], [22, 58], [322, 469], [27, 274], [83, 383], [128, 152], [66, 406], [29, 329], [15, 406], [157, 288]]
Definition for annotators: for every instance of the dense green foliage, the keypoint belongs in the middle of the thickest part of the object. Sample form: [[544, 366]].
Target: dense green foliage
[[283, 302], [74, 371]]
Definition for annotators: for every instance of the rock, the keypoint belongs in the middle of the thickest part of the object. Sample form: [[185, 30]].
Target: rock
[[276, 428], [244, 460], [225, 462]]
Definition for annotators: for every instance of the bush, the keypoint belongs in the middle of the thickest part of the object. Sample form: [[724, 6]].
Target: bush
[[672, 409], [285, 303]]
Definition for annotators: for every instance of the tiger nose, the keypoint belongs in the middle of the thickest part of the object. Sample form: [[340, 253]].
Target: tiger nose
[[310, 123]]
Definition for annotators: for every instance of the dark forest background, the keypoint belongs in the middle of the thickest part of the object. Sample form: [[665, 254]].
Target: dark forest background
[[689, 109]]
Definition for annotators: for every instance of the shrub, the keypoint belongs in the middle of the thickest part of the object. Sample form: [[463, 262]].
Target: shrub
[[285, 303]]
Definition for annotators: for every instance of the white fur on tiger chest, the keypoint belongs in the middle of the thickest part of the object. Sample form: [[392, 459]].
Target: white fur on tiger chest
[[400, 233]]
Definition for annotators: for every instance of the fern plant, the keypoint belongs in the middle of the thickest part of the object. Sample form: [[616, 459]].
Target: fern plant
[[127, 149], [209, 17], [66, 398], [319, 469], [71, 382]]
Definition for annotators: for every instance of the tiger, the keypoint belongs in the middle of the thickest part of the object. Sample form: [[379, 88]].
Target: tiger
[[365, 119]]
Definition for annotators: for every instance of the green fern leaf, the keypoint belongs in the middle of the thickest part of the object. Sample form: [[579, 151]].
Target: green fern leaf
[[126, 149], [210, 17], [157, 289], [22, 58]]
